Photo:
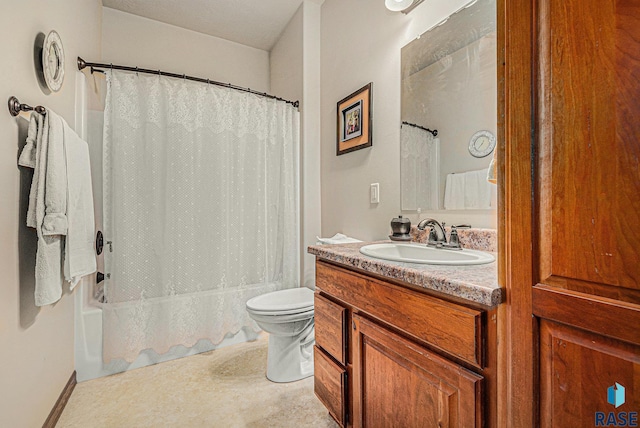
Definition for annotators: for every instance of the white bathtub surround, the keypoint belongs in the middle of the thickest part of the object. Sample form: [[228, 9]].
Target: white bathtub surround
[[200, 201], [80, 255]]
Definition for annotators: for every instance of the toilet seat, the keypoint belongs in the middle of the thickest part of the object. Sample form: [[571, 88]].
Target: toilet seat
[[282, 302], [280, 317]]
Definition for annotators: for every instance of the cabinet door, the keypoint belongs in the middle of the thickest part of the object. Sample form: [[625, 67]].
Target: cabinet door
[[397, 383]]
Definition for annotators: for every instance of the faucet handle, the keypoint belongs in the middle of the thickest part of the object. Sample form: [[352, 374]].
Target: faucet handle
[[463, 226], [454, 240]]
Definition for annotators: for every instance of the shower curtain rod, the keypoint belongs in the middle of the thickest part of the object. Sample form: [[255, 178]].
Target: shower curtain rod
[[82, 64], [433, 132]]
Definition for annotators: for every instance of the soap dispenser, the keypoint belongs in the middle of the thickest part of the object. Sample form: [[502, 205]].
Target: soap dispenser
[[401, 228]]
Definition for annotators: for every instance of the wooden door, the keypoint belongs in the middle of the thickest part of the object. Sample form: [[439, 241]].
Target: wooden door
[[572, 208], [398, 383]]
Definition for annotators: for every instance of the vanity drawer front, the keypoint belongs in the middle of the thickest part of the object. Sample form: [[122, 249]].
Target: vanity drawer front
[[330, 385], [447, 326], [330, 320]]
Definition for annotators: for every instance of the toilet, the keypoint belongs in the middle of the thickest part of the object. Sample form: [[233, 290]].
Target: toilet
[[287, 315]]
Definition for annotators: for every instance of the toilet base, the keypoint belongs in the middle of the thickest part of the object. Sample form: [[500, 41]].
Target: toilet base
[[288, 360]]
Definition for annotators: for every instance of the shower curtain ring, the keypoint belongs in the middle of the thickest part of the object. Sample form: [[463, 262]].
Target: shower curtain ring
[[136, 70], [111, 66]]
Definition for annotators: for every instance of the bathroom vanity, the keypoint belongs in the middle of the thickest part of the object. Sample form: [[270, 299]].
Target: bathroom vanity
[[401, 344]]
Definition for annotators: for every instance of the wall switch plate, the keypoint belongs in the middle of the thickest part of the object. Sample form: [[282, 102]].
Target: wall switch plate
[[374, 192]]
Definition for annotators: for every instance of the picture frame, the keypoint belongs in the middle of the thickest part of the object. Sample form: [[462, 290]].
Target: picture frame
[[353, 122]]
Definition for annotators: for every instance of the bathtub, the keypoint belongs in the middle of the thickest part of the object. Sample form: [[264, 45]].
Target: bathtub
[[88, 340]]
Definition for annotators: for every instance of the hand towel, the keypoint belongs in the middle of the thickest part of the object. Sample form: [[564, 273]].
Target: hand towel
[[338, 238], [454, 191], [468, 191], [47, 202], [477, 191], [79, 257]]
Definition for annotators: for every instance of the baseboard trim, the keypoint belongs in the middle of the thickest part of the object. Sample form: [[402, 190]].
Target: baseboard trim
[[56, 412]]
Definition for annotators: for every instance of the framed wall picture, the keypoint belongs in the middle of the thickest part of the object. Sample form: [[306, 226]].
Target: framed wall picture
[[354, 125]]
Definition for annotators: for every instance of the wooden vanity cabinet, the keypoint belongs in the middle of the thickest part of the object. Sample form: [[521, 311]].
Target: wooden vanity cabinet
[[387, 355]]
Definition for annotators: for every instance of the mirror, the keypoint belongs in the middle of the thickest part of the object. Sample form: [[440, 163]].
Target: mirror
[[449, 89]]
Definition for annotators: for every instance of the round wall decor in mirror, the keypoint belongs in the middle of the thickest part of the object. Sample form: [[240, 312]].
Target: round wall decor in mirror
[[53, 61], [482, 144]]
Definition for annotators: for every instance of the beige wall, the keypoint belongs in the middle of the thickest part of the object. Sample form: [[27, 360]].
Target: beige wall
[[295, 75], [287, 62], [358, 48], [311, 179], [36, 344], [132, 40]]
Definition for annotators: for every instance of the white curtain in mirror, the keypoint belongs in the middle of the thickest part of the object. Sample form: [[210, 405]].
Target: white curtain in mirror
[[419, 169], [200, 200]]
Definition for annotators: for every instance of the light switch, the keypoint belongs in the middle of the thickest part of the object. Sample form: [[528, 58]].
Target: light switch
[[375, 193]]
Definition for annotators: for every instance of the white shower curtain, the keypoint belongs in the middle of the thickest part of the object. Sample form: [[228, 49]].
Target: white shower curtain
[[200, 202], [419, 169]]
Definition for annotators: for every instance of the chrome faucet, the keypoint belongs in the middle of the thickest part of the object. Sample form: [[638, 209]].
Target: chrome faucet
[[437, 235]]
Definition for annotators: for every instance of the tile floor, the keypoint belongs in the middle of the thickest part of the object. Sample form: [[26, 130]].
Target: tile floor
[[222, 388]]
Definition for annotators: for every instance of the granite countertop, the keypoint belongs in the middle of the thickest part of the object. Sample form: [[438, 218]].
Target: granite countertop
[[475, 283]]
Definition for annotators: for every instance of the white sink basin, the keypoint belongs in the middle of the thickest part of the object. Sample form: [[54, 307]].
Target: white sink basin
[[420, 253]]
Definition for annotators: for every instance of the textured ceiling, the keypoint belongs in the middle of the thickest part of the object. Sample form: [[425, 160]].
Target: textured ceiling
[[256, 23]]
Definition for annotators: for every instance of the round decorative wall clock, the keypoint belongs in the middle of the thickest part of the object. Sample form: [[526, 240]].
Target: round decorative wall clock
[[482, 144], [53, 61]]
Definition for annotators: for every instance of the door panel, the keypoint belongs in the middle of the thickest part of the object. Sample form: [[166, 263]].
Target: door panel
[[589, 146], [577, 369]]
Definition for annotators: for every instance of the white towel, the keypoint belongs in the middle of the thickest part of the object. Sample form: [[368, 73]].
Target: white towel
[[477, 191], [468, 190], [51, 201], [338, 238], [454, 190], [80, 257], [47, 202]]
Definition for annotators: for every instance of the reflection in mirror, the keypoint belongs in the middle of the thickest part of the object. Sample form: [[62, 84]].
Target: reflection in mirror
[[449, 85]]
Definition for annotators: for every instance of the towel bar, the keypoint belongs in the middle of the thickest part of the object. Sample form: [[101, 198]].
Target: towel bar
[[15, 107]]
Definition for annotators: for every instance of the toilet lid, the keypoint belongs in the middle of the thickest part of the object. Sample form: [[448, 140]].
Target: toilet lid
[[284, 300]]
